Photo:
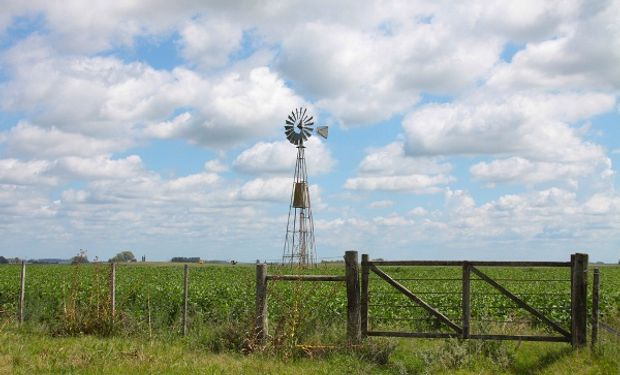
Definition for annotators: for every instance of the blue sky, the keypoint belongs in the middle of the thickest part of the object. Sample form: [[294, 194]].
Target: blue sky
[[481, 130]]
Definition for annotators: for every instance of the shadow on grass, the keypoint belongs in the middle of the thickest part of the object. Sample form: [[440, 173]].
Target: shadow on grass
[[535, 364]]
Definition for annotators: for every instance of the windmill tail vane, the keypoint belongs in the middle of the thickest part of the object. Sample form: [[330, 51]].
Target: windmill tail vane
[[299, 245]]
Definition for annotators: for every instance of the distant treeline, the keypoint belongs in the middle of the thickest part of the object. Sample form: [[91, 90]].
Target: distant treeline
[[186, 260]]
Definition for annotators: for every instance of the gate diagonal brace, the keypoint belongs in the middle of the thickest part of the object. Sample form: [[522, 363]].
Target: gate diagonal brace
[[521, 303], [416, 299]]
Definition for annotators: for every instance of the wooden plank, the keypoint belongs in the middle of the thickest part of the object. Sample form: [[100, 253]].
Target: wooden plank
[[432, 335], [22, 292], [520, 302], [455, 263], [415, 298], [354, 329], [261, 304], [579, 295], [520, 338], [364, 296], [596, 285], [185, 297], [466, 298], [305, 278], [422, 335]]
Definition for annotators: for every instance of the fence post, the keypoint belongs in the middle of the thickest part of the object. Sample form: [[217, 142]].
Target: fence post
[[364, 297], [113, 289], [261, 303], [579, 295], [596, 285], [185, 297], [22, 292], [354, 332], [466, 298]]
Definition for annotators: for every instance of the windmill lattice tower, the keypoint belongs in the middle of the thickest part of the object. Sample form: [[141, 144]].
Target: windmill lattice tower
[[299, 246]]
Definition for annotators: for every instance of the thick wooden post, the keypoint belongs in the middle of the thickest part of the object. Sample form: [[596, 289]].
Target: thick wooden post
[[364, 297], [354, 332], [466, 298], [22, 292], [261, 303], [579, 303], [185, 297], [113, 289], [596, 285]]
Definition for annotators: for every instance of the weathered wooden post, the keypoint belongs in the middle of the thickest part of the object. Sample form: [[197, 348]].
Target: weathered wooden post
[[364, 297], [113, 290], [261, 303], [354, 332], [596, 285], [579, 295], [22, 292], [466, 298], [185, 297]]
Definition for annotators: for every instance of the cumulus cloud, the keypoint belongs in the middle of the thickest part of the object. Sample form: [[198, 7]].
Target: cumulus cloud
[[520, 170], [208, 43], [584, 54], [29, 141], [236, 107], [279, 158], [534, 126], [389, 169]]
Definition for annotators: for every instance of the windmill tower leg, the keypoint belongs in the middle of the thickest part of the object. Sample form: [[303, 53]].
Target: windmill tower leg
[[299, 241]]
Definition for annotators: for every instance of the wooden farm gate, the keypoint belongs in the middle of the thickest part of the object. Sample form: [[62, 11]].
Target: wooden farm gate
[[575, 334]]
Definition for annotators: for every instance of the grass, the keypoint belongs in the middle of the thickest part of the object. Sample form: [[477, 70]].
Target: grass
[[29, 350], [68, 328]]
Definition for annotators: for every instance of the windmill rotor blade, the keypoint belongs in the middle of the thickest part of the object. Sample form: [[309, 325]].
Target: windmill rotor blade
[[289, 122], [304, 113], [307, 133], [310, 119], [309, 124], [289, 126]]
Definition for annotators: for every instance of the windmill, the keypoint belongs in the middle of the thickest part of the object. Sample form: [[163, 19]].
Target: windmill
[[299, 241]]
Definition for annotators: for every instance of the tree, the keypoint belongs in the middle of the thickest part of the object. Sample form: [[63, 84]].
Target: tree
[[3, 260], [80, 258], [124, 256]]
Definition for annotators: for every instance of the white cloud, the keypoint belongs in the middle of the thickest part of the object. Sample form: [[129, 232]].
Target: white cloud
[[276, 189], [236, 107], [389, 169], [584, 54], [209, 42], [30, 141], [381, 204], [16, 172], [533, 126], [519, 170], [100, 167], [279, 158]]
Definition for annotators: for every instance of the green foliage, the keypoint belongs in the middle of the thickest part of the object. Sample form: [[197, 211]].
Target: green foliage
[[3, 260], [123, 256]]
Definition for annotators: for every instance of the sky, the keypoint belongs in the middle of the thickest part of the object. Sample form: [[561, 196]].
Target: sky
[[457, 130]]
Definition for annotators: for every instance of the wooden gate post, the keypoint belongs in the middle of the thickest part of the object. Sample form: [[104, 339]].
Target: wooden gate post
[[113, 290], [466, 298], [354, 332], [185, 297], [364, 297], [596, 285], [22, 292], [261, 303], [579, 295]]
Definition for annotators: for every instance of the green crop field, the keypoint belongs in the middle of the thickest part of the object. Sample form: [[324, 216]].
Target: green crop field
[[150, 296], [69, 301]]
